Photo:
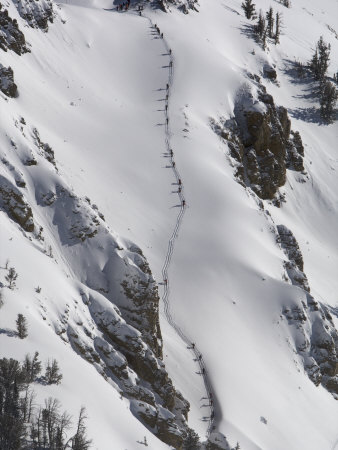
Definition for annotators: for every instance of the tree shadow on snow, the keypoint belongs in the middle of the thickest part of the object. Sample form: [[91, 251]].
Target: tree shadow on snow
[[8, 332], [310, 115]]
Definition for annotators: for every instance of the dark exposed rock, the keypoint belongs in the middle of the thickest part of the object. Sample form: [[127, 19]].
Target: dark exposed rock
[[47, 151], [30, 162], [270, 72], [37, 13], [7, 85], [166, 414], [141, 309], [332, 384], [264, 146], [290, 245], [295, 152], [13, 203], [183, 5], [11, 38]]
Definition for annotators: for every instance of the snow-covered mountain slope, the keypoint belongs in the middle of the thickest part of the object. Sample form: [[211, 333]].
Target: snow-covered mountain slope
[[93, 86]]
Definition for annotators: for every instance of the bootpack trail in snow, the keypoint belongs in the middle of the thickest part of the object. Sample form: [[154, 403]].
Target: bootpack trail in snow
[[198, 357]]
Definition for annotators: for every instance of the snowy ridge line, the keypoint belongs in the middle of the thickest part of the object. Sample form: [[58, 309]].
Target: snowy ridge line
[[166, 292]]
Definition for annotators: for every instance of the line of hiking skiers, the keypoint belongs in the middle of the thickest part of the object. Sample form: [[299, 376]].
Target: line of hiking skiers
[[124, 6]]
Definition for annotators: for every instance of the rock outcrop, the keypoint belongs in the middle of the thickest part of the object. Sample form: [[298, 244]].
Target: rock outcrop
[[117, 328], [13, 203], [11, 38], [261, 142], [7, 85], [316, 336], [37, 13], [183, 5]]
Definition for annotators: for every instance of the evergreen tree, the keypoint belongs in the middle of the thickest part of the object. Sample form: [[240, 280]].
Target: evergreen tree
[[328, 100], [192, 440], [53, 375], [31, 367], [12, 429], [320, 59], [249, 9], [335, 77], [80, 440], [270, 22], [21, 326], [278, 27], [260, 26], [11, 277]]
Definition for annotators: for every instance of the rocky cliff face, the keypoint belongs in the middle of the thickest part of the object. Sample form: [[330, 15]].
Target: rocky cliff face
[[11, 38], [37, 13], [118, 329], [7, 85], [262, 148], [261, 142], [316, 336]]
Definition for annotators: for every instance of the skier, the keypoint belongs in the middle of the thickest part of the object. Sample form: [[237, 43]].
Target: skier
[[170, 64], [179, 181], [193, 345], [174, 164], [183, 204], [165, 282], [167, 120], [167, 87], [170, 51], [179, 189], [200, 355], [203, 370], [166, 108], [171, 152], [166, 97]]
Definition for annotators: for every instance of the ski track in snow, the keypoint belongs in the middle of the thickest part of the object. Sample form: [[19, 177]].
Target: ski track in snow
[[198, 357]]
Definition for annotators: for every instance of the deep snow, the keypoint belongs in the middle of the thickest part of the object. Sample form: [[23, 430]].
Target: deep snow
[[94, 87]]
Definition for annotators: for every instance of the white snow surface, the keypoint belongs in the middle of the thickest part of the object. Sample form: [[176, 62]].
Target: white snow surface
[[94, 87]]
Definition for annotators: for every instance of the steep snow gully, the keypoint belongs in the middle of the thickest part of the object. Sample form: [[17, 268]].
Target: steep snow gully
[[198, 357]]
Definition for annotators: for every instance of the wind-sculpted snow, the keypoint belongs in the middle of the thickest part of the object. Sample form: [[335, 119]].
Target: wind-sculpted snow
[[86, 145], [125, 344]]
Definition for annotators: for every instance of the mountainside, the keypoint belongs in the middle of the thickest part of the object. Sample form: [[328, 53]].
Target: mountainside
[[168, 209]]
